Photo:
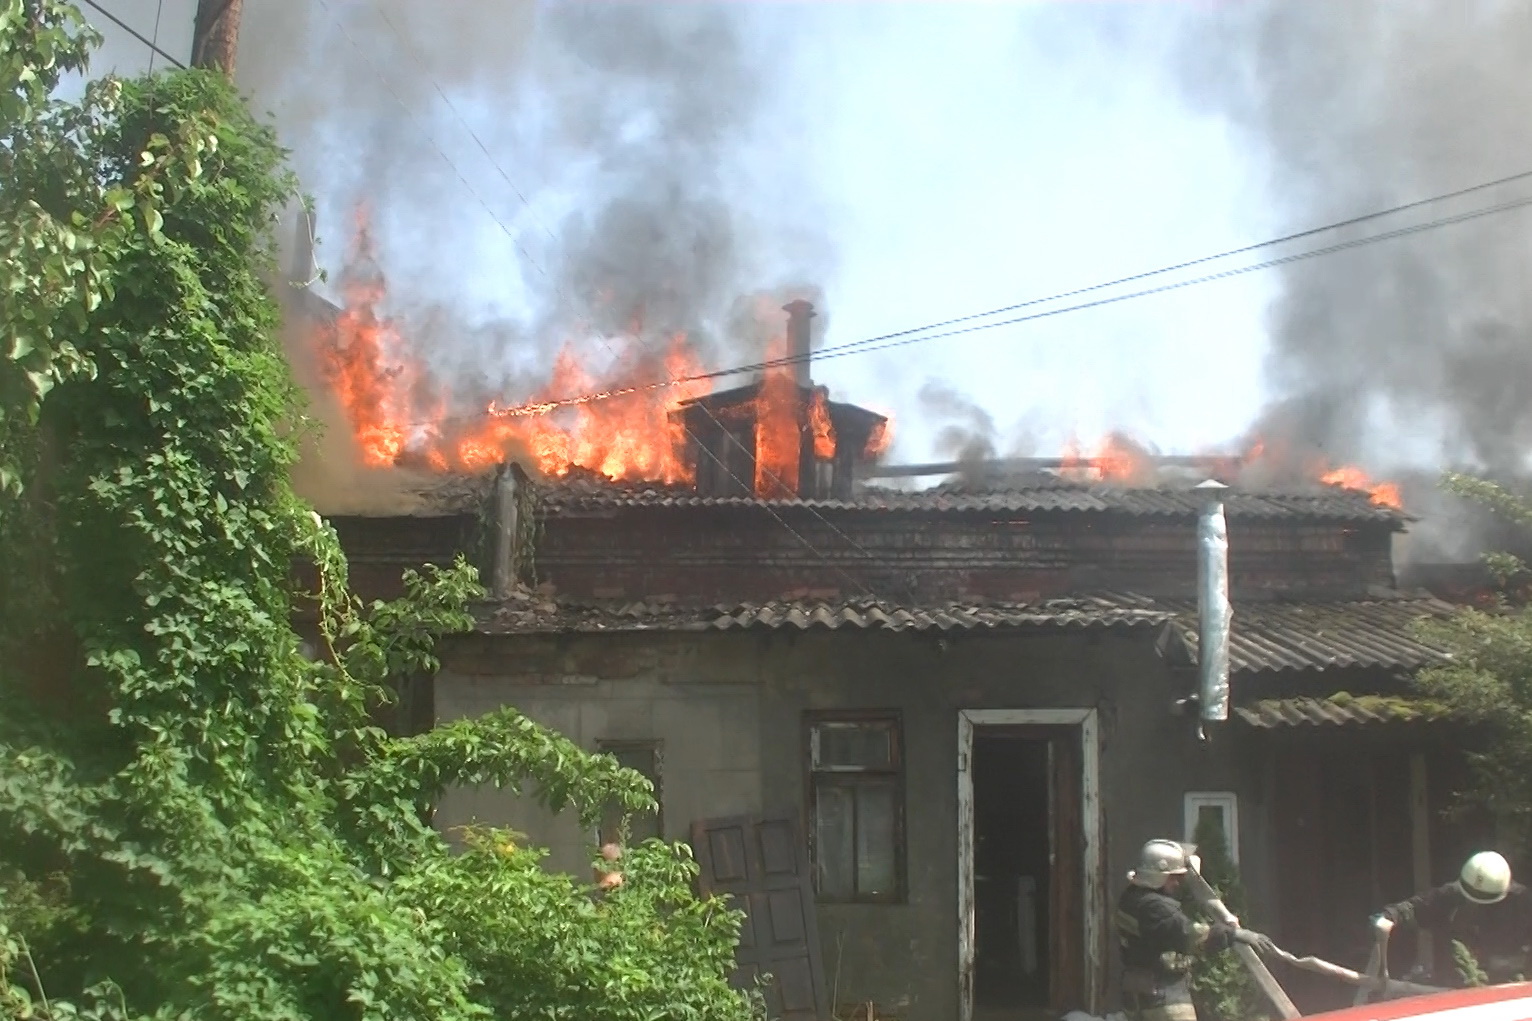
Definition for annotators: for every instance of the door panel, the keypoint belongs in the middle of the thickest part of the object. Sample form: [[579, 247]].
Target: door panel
[[1066, 887], [763, 865]]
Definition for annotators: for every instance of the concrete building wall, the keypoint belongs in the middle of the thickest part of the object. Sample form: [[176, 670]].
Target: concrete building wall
[[729, 711]]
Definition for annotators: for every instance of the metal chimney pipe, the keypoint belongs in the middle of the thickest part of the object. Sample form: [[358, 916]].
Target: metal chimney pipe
[[798, 315], [1214, 612], [303, 249]]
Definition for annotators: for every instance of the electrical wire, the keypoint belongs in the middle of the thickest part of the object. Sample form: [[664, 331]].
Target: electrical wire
[[563, 298], [916, 336], [153, 46], [569, 304], [1246, 250], [924, 333], [1209, 278]]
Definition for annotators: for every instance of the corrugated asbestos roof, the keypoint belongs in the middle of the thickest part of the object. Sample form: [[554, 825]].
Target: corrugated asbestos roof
[[1322, 503], [529, 614], [1267, 637], [1338, 711], [1375, 633]]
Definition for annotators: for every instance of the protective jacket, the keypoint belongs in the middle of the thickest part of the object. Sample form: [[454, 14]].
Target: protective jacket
[[1159, 941], [1499, 935]]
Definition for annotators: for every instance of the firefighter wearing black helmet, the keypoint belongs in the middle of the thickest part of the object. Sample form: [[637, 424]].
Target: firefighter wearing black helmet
[[1160, 942]]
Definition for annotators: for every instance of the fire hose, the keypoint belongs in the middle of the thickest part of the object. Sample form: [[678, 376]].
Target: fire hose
[[1377, 981], [1389, 987]]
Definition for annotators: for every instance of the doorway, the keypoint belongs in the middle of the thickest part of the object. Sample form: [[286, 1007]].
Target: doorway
[[1030, 907], [1012, 872]]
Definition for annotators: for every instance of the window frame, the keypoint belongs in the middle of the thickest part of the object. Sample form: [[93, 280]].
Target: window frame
[[1195, 801], [892, 775], [656, 750]]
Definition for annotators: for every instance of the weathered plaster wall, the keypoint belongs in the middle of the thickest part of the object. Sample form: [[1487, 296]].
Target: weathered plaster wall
[[729, 711]]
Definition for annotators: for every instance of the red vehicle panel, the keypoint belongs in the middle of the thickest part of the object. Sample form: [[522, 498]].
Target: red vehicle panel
[[1492, 1003]]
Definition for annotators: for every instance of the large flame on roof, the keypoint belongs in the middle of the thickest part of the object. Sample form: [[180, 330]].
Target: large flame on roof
[[1119, 458], [398, 412], [1385, 494], [778, 436]]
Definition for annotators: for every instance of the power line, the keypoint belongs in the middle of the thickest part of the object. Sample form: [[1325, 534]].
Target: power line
[[570, 304], [1247, 249], [1226, 274], [431, 139], [159, 10], [153, 46], [919, 335], [564, 299]]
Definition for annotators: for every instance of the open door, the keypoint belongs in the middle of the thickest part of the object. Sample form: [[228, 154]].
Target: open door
[[1047, 792], [1066, 888], [763, 865]]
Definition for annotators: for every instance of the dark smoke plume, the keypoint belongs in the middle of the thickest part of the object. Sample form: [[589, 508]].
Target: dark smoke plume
[[1413, 353], [966, 432], [634, 133]]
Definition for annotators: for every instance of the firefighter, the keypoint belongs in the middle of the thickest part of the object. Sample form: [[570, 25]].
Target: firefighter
[[1159, 941], [1483, 909]]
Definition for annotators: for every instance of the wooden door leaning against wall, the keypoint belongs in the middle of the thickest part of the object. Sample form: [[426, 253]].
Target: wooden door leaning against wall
[[762, 863]]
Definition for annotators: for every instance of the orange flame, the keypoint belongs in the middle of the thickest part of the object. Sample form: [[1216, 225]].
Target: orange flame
[[821, 425], [879, 439], [364, 361], [1119, 458], [1116, 458], [778, 436], [1384, 494], [398, 413]]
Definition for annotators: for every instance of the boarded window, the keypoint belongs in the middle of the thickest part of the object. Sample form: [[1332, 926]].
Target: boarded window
[[643, 757], [856, 807]]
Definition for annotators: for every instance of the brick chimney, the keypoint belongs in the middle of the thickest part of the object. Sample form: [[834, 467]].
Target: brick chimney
[[798, 315]]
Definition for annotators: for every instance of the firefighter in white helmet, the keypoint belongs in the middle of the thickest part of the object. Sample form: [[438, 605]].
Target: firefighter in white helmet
[[1484, 909], [1159, 941]]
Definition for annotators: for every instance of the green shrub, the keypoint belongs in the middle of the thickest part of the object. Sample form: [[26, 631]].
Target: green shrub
[[1222, 987], [196, 821]]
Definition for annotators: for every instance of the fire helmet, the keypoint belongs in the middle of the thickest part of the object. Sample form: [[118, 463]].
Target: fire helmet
[[1158, 861], [1486, 877]]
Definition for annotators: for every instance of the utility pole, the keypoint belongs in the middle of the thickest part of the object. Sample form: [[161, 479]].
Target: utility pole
[[215, 35]]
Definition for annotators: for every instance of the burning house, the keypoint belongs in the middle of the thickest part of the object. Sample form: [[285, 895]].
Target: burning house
[[922, 734]]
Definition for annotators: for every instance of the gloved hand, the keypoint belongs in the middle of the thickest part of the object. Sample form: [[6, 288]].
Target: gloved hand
[[1257, 941], [1382, 925]]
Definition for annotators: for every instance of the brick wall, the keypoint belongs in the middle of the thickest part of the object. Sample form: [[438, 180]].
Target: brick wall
[[703, 555], [718, 554]]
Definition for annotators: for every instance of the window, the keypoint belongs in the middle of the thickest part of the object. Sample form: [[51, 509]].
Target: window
[[642, 757], [1216, 808], [856, 807]]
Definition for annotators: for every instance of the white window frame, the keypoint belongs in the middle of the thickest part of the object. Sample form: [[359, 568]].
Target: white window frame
[[1227, 801]]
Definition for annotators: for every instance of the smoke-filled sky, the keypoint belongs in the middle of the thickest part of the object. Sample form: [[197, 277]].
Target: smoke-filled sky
[[912, 162]]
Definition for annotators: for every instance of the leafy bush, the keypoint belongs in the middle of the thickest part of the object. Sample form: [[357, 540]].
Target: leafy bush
[[1488, 682], [1222, 987], [195, 819]]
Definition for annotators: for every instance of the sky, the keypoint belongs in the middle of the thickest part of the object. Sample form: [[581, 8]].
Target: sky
[[964, 157], [911, 162]]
